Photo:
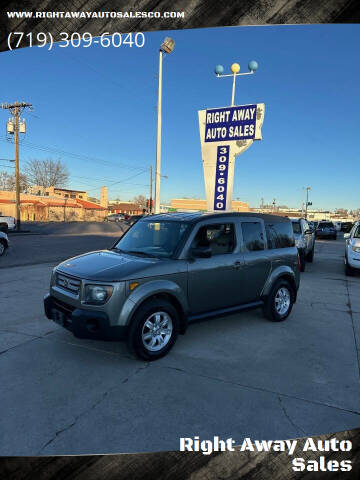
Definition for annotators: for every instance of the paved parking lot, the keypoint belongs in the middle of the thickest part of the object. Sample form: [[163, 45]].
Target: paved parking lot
[[234, 376]]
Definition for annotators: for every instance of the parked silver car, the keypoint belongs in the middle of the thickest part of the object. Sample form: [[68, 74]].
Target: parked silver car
[[352, 250], [168, 270], [304, 240]]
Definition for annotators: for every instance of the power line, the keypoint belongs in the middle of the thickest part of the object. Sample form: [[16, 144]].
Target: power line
[[77, 156], [120, 181], [108, 179]]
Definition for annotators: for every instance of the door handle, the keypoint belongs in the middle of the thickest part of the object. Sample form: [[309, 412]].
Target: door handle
[[237, 265]]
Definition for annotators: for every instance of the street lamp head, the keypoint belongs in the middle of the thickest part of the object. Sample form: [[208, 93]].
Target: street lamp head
[[253, 66], [235, 68], [168, 45], [219, 69]]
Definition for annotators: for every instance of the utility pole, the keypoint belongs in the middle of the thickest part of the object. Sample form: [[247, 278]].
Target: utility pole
[[16, 110], [151, 183]]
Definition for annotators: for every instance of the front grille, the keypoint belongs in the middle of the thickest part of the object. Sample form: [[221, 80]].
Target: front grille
[[67, 283]]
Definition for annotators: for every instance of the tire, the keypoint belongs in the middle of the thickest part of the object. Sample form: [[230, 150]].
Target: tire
[[149, 313], [310, 255], [349, 271], [3, 247], [280, 301], [302, 262]]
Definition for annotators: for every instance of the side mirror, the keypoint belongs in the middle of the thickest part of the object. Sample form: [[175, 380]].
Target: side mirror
[[201, 252], [346, 235]]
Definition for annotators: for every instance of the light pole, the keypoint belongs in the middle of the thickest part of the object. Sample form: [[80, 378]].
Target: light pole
[[166, 47], [307, 201], [235, 68]]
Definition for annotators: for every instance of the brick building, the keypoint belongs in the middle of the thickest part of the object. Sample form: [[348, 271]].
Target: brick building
[[52, 205], [199, 204]]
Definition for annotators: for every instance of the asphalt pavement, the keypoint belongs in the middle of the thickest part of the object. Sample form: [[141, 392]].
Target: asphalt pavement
[[237, 376]]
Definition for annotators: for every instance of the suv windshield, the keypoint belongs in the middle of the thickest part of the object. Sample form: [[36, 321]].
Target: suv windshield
[[155, 239], [296, 227]]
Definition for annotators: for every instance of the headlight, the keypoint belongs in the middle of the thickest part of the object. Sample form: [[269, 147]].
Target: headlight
[[300, 242], [97, 294], [356, 249]]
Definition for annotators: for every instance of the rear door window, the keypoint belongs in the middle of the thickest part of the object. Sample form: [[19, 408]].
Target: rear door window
[[219, 237], [253, 236]]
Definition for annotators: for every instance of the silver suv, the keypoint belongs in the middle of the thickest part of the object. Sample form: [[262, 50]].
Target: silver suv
[[168, 270], [304, 240]]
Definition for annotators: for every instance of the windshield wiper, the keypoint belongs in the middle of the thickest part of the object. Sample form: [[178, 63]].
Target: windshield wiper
[[117, 249], [137, 252]]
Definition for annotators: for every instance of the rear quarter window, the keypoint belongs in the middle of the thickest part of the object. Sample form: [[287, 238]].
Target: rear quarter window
[[279, 235]]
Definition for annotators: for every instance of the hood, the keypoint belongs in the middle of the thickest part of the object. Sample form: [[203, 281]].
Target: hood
[[109, 266]]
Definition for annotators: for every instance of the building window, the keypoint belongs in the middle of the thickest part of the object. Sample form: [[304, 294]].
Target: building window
[[80, 196], [66, 195]]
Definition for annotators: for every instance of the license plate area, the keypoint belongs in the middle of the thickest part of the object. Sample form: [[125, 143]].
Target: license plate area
[[60, 317]]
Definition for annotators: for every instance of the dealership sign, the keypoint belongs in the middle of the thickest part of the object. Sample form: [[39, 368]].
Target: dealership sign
[[225, 133]]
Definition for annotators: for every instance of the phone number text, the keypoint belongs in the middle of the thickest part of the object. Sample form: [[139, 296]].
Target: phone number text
[[75, 40]]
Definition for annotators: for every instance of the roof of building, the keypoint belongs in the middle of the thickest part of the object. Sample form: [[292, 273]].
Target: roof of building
[[90, 205], [69, 190]]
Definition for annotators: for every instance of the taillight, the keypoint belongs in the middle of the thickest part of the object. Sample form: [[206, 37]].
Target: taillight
[[299, 264]]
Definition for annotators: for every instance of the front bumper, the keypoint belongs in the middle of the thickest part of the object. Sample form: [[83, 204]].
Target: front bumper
[[82, 323], [353, 261]]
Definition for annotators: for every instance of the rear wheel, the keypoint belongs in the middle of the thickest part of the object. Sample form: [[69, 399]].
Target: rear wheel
[[279, 303], [153, 330], [310, 255], [2, 247]]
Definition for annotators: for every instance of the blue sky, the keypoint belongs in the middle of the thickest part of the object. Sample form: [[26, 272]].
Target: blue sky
[[99, 105]]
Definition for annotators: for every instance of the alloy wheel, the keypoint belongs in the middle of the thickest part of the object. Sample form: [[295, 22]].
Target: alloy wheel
[[282, 300], [157, 331]]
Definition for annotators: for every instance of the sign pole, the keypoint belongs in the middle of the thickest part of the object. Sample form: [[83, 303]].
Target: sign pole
[[233, 90]]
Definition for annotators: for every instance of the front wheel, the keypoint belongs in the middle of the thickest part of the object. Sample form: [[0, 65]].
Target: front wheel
[[349, 271], [279, 303], [302, 261], [153, 330]]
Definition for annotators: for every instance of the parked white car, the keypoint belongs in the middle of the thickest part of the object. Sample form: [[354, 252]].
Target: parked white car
[[4, 243], [9, 220], [352, 249]]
